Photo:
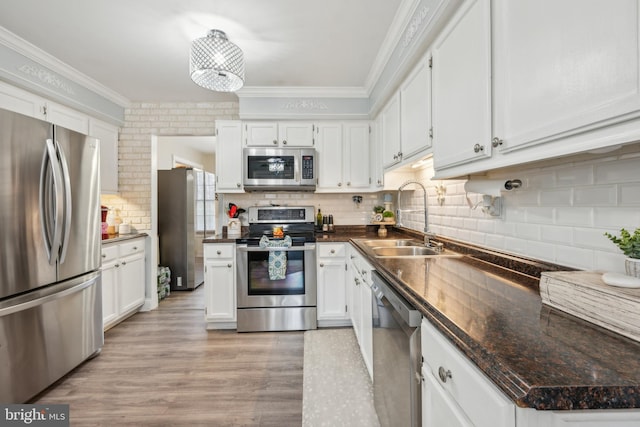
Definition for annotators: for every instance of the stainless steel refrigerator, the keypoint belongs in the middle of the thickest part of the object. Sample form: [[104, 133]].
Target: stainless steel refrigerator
[[186, 216], [50, 290]]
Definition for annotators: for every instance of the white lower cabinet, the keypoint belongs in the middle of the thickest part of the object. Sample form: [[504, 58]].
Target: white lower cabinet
[[220, 285], [331, 285], [123, 280], [455, 392], [360, 294]]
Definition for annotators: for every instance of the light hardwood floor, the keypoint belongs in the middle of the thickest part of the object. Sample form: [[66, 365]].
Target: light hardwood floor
[[162, 368]]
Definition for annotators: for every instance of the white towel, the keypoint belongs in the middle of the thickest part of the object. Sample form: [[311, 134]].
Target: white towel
[[277, 259]]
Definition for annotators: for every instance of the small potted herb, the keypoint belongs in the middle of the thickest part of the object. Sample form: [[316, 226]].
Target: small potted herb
[[387, 216], [378, 209], [629, 244]]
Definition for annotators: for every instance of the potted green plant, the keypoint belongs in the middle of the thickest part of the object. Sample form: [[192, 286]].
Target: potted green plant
[[378, 209], [387, 216], [629, 244]]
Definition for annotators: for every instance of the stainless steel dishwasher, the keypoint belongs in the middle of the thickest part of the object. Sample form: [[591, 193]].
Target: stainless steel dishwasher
[[396, 357]]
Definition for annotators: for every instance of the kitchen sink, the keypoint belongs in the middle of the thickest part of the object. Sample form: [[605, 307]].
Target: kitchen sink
[[404, 251], [389, 242]]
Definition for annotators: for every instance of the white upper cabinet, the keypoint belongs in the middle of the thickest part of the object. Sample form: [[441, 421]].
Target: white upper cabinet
[[415, 110], [563, 67], [462, 87], [343, 156], [108, 136], [390, 131], [278, 134], [229, 156]]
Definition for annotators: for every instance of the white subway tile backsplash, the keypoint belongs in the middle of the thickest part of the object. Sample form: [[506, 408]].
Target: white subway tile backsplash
[[630, 194], [574, 176], [605, 195], [528, 231], [617, 217], [574, 216], [544, 179], [556, 234], [591, 238], [576, 257], [561, 197], [540, 215], [617, 171]]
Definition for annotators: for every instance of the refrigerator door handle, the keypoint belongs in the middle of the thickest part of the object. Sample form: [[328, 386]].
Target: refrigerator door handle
[[51, 204], [66, 182]]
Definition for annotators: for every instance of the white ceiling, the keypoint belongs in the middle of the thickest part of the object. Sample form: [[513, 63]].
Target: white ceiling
[[140, 48]]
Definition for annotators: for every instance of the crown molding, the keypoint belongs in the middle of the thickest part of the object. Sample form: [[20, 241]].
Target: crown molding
[[23, 47], [301, 92], [394, 35]]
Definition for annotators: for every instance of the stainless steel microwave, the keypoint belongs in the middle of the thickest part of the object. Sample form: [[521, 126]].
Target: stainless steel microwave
[[270, 169]]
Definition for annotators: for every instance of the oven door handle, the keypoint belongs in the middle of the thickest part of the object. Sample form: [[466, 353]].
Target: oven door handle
[[273, 249]]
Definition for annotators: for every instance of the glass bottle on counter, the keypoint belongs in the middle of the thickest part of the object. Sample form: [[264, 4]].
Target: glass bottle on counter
[[319, 219]]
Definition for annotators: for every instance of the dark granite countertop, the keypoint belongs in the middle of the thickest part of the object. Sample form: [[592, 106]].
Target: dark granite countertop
[[488, 305]]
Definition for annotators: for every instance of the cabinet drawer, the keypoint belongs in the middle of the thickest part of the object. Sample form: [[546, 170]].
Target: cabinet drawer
[[482, 402], [109, 252], [132, 247], [219, 251], [331, 250]]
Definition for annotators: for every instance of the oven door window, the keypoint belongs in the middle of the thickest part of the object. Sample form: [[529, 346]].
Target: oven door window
[[271, 167], [258, 274]]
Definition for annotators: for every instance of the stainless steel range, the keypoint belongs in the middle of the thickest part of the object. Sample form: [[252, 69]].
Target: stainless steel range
[[276, 276]]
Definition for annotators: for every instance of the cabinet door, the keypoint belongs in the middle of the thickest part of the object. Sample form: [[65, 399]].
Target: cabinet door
[[20, 101], [261, 134], [462, 87], [415, 110], [355, 162], [438, 408], [108, 136], [563, 67], [229, 156], [131, 283], [375, 155], [332, 295], [109, 292], [67, 118], [295, 134], [329, 151], [354, 284], [220, 290], [390, 121]]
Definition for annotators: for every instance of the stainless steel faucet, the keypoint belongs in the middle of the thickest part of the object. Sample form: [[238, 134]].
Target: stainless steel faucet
[[399, 210]]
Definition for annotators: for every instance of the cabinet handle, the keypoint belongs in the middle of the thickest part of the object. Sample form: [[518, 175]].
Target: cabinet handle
[[357, 281], [333, 251], [219, 252], [104, 255], [400, 154], [229, 265], [352, 256], [117, 265], [478, 148], [348, 183], [275, 142], [339, 184], [238, 184], [284, 142], [135, 248], [496, 142], [321, 265], [395, 157], [124, 262], [444, 374]]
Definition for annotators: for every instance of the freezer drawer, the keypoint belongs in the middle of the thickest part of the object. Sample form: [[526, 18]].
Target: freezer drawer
[[47, 333]]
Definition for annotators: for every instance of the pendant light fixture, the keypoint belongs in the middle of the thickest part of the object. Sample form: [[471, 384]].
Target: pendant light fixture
[[216, 63]]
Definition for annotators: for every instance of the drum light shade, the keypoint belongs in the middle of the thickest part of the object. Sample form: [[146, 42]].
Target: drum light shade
[[216, 63]]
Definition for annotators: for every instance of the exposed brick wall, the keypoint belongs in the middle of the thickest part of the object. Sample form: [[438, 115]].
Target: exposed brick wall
[[142, 120]]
